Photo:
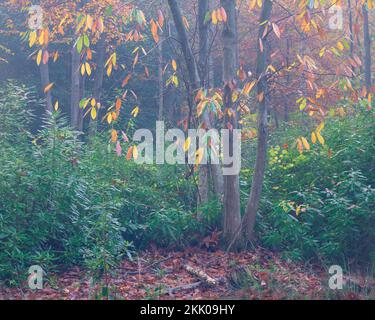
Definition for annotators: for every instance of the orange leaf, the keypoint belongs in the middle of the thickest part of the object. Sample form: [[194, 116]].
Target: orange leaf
[[126, 80], [129, 153], [114, 136], [118, 105], [45, 57], [48, 87]]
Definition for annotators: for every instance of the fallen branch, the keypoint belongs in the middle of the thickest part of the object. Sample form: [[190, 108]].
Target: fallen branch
[[202, 275], [184, 287]]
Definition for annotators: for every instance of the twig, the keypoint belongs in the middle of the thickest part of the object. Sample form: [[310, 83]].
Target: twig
[[184, 287]]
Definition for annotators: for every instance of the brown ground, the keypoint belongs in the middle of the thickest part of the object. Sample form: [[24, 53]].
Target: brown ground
[[162, 275]]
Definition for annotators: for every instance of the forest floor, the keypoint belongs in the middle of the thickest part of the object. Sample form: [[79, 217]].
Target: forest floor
[[186, 275]]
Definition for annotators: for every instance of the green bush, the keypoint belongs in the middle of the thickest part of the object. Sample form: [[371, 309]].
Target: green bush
[[65, 202], [321, 204]]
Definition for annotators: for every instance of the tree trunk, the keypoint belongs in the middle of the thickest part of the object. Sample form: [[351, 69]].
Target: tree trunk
[[286, 104], [98, 81], [75, 89], [44, 75], [185, 46], [161, 81], [203, 7], [232, 212], [191, 64], [261, 156], [203, 41], [367, 46]]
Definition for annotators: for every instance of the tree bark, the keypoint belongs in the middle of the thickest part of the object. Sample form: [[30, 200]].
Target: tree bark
[[44, 75], [203, 7], [161, 81], [98, 81], [232, 212], [367, 47], [191, 64], [261, 156], [75, 90]]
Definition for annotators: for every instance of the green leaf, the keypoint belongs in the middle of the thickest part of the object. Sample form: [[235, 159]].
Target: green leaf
[[79, 44], [86, 41]]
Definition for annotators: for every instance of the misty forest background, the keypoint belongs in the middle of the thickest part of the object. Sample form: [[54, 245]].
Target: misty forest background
[[297, 82]]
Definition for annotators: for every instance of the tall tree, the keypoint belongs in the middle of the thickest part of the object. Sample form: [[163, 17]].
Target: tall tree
[[261, 154], [99, 76], [192, 67], [232, 213], [75, 95], [44, 75], [367, 47]]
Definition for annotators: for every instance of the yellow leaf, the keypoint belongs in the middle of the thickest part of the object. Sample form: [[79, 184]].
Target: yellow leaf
[[305, 143], [135, 152], [340, 46], [298, 211], [174, 65], [186, 145], [114, 136], [135, 112], [322, 51], [109, 70], [41, 37], [252, 4], [109, 118], [48, 87], [299, 146], [248, 87], [93, 102], [56, 106], [39, 57], [320, 138], [313, 138], [89, 22], [93, 113], [32, 38], [83, 69], [259, 2], [88, 68], [214, 17], [199, 156], [320, 127]]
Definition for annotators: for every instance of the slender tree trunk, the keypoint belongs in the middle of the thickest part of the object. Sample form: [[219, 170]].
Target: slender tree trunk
[[161, 81], [351, 35], [82, 82], [286, 104], [75, 89], [367, 46], [232, 213], [203, 7], [98, 81], [185, 46], [44, 75], [261, 156], [191, 64]]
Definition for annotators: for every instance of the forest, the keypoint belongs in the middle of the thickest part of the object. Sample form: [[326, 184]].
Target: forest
[[187, 150]]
